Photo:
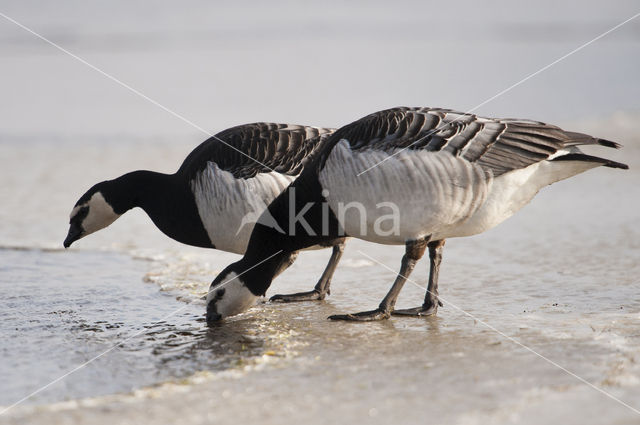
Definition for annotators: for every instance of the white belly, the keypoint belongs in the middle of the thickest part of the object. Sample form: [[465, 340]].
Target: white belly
[[230, 207], [409, 196], [512, 191]]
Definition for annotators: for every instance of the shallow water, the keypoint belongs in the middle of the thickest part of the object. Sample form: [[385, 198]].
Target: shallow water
[[62, 309]]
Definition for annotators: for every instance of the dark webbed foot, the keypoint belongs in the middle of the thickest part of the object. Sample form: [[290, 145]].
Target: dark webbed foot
[[299, 296], [423, 310], [364, 316]]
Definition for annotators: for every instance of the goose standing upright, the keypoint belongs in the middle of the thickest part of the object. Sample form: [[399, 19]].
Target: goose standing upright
[[419, 176], [214, 199]]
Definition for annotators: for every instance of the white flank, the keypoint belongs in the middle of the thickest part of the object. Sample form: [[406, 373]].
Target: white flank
[[432, 191], [512, 191], [229, 207], [100, 214], [435, 193]]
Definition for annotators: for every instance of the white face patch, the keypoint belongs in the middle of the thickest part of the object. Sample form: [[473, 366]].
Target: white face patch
[[231, 297], [99, 216]]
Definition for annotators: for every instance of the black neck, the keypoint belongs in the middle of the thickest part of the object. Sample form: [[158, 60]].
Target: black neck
[[321, 228], [258, 272], [167, 200]]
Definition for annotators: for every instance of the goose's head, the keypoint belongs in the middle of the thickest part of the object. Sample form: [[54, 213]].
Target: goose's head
[[92, 212], [228, 295], [239, 286]]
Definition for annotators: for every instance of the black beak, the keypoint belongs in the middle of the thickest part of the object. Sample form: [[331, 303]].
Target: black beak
[[213, 315], [75, 233]]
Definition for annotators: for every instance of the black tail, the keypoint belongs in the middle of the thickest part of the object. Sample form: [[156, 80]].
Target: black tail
[[609, 143], [589, 158]]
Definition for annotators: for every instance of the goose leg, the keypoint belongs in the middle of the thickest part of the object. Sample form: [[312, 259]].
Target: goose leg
[[322, 287], [414, 251], [431, 301]]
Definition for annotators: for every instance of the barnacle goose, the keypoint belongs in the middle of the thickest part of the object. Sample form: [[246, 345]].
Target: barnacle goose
[[215, 198], [439, 173]]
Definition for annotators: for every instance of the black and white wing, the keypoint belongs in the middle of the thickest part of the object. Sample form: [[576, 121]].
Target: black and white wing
[[497, 145], [250, 149], [437, 169]]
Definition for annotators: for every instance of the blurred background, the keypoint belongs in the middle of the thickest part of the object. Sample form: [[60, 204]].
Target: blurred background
[[220, 63], [65, 126]]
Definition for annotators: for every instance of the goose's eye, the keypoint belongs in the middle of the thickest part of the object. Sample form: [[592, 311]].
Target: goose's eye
[[80, 215], [220, 293]]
